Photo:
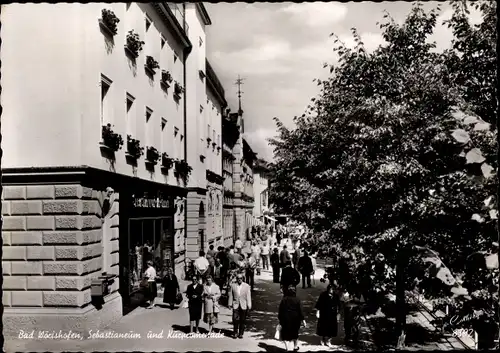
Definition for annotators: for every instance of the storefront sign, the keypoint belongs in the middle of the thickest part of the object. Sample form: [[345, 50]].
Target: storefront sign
[[151, 202]]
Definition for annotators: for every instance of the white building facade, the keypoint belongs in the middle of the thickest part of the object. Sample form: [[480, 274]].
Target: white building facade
[[82, 211]]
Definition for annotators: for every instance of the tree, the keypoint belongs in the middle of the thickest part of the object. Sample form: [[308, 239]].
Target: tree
[[394, 153]]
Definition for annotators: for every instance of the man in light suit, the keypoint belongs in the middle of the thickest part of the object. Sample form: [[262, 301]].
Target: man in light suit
[[240, 299]]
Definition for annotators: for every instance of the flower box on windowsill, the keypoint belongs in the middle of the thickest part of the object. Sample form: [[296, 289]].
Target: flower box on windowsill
[[106, 29], [166, 162], [105, 148], [165, 84], [130, 52], [149, 70]]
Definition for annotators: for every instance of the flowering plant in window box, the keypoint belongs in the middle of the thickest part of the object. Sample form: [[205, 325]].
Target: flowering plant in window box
[[152, 155], [166, 77], [182, 170], [151, 65], [111, 139], [178, 89], [134, 43], [109, 21], [134, 148], [166, 161]]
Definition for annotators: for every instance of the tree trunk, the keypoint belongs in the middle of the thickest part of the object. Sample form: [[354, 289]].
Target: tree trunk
[[400, 299]]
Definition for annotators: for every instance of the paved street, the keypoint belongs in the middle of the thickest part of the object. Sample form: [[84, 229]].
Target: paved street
[[259, 335]]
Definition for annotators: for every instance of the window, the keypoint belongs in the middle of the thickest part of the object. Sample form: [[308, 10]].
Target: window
[[208, 131], [163, 124], [176, 56], [149, 113], [105, 86], [200, 41], [130, 114], [201, 108], [148, 22], [214, 140], [163, 41], [176, 130], [128, 5], [149, 127]]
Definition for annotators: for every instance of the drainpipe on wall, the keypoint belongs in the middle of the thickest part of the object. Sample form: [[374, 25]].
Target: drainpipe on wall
[[184, 58]]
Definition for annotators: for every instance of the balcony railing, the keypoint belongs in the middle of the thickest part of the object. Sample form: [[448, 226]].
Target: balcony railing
[[179, 15]]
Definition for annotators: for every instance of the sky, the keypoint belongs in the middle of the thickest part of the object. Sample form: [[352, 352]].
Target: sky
[[279, 48]]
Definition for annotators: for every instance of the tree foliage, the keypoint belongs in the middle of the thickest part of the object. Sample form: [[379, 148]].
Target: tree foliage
[[398, 153]]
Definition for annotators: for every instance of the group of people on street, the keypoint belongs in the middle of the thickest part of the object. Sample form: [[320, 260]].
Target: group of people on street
[[231, 272]]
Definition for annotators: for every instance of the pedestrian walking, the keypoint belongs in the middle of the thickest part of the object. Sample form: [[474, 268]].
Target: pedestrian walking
[[328, 309], [251, 265], [285, 256], [171, 288], [289, 277], [255, 251], [314, 264], [211, 251], [275, 264], [194, 293], [152, 289], [238, 245], [265, 255], [201, 266], [240, 299], [290, 316], [305, 268], [296, 256], [211, 295], [218, 273]]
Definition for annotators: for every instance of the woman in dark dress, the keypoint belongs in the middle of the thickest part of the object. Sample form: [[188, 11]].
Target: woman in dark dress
[[171, 285], [275, 264], [328, 306], [194, 294], [290, 316]]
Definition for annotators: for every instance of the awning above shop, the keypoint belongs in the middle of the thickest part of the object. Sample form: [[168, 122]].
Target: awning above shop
[[271, 219]]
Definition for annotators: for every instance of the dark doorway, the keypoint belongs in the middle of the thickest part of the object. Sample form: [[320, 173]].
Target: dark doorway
[[201, 227], [149, 239]]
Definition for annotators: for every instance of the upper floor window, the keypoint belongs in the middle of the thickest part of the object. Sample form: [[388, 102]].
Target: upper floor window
[[162, 41], [176, 56], [200, 41], [148, 22], [105, 86], [163, 124]]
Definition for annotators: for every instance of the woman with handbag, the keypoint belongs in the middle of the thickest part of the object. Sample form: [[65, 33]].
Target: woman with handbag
[[152, 290], [328, 311], [211, 295], [171, 295], [194, 294]]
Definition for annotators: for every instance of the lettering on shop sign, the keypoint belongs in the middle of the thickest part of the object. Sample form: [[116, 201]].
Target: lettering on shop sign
[[150, 202]]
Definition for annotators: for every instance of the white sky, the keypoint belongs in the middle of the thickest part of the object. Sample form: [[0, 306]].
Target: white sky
[[279, 48]]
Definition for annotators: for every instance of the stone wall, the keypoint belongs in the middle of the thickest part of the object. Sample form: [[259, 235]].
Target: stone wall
[[54, 245]]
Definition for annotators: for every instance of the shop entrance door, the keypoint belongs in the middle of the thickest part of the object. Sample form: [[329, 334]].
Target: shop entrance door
[[149, 239]]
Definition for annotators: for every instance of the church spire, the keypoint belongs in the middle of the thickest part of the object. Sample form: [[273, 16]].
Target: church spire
[[239, 82]]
